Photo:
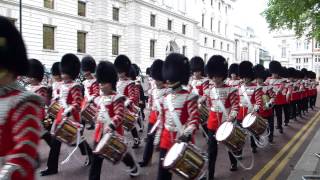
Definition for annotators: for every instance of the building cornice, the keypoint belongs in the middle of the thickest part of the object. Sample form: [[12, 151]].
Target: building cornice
[[49, 11], [150, 5], [215, 35]]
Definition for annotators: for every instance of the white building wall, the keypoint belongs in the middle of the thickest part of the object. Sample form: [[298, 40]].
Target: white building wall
[[133, 28]]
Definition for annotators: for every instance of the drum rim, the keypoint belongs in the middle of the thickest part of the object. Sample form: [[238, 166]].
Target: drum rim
[[184, 147], [218, 139]]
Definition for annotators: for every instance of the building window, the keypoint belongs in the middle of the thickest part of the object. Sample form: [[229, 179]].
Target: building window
[[211, 2], [211, 24], [152, 47], [219, 24], [82, 42], [205, 57], [298, 60], [305, 60], [169, 24], [317, 45], [214, 44], [205, 41], [115, 45], [228, 47], [48, 4], [283, 52], [48, 37], [219, 6], [306, 45], [115, 14], [184, 27], [202, 22], [225, 29], [153, 20], [81, 8], [221, 45], [226, 9], [184, 50]]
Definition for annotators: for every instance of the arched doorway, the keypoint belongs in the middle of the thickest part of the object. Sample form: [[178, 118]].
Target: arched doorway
[[172, 46]]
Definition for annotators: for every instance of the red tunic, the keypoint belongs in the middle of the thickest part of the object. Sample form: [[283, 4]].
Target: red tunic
[[109, 106], [20, 129], [70, 96], [199, 86], [186, 109], [279, 89], [42, 91], [229, 98], [267, 90], [155, 97], [91, 90]]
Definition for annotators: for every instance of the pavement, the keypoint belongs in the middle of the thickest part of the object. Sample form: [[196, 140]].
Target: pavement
[[290, 157]]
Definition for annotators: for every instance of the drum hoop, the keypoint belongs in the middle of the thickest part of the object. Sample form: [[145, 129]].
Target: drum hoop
[[179, 157]]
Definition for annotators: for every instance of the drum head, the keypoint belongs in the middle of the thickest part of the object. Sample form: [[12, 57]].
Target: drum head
[[103, 141], [173, 154], [248, 120], [224, 131]]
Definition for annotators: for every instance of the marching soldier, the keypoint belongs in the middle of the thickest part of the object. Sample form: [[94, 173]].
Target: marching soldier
[[70, 99], [35, 77], [287, 93], [21, 111], [233, 75], [222, 97], [250, 95], [91, 86], [155, 101], [266, 110], [110, 116], [126, 87], [56, 81], [179, 109], [278, 86]]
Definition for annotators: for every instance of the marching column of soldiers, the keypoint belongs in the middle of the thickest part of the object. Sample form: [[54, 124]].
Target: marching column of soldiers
[[227, 105]]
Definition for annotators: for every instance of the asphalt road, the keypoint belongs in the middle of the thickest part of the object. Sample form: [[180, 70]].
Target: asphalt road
[[75, 170]]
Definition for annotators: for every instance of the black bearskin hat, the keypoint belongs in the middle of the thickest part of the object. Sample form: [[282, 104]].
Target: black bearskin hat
[[88, 64], [36, 69], [246, 70], [55, 69], [148, 71], [268, 74], [304, 72], [233, 69], [156, 70], [217, 66], [197, 64], [107, 73], [260, 72], [70, 65], [284, 72], [133, 73], [13, 55], [122, 64], [136, 68], [275, 67], [176, 68], [291, 72]]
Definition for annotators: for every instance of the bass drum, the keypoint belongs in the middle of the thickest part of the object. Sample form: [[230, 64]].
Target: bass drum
[[231, 136], [185, 160]]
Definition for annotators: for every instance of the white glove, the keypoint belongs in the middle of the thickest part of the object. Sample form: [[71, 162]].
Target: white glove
[[127, 103], [90, 99]]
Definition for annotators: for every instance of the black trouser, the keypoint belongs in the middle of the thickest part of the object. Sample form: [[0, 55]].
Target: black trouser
[[95, 169], [278, 109], [271, 127], [313, 100], [305, 104], [53, 159], [293, 108], [212, 154], [300, 107], [47, 138], [252, 142], [148, 149], [163, 174], [134, 133]]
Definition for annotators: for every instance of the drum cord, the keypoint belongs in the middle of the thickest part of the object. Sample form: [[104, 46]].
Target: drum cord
[[77, 145], [263, 142]]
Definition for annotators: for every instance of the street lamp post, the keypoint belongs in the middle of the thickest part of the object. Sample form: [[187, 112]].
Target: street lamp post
[[20, 11]]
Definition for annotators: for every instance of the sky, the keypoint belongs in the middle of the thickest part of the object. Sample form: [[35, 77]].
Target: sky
[[248, 13]]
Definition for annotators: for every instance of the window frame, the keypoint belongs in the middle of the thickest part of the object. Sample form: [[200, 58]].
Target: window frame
[[85, 8], [43, 36], [85, 41], [152, 48], [115, 14], [52, 3], [152, 20], [169, 25], [117, 37]]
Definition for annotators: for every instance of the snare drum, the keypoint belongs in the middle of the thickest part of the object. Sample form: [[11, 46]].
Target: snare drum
[[111, 147], [204, 113], [184, 160], [231, 136], [53, 110], [129, 121], [255, 124], [89, 113], [66, 132]]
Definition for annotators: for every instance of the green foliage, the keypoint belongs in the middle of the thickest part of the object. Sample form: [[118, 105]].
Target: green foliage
[[302, 16]]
